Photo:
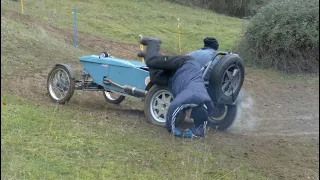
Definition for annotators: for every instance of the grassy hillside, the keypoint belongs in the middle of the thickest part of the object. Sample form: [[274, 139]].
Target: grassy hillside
[[89, 139], [39, 140], [124, 20], [28, 47]]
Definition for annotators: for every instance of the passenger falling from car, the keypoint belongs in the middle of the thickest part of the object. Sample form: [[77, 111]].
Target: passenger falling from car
[[182, 74]]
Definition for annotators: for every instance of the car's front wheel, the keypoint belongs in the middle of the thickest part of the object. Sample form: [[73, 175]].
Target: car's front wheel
[[157, 102], [60, 84]]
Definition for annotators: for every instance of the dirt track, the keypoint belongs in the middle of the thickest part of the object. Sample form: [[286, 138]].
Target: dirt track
[[281, 108], [278, 129]]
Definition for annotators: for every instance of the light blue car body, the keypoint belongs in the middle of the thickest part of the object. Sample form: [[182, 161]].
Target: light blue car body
[[120, 71]]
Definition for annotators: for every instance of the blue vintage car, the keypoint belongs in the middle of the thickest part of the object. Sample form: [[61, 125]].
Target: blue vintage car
[[119, 78]]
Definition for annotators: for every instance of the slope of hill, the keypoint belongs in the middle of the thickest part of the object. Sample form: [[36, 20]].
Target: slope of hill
[[124, 21], [90, 139]]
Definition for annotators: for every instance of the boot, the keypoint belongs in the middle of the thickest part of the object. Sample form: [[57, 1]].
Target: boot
[[153, 47]]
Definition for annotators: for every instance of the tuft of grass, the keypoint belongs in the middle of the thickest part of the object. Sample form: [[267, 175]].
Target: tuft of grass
[[55, 142], [125, 20]]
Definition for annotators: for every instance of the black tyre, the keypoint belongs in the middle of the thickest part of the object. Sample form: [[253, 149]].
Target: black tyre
[[60, 84], [226, 79], [223, 116], [156, 105], [112, 97]]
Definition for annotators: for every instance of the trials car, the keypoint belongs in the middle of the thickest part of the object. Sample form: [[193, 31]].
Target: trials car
[[120, 78]]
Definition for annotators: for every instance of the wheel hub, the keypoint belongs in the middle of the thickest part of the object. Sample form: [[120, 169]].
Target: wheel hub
[[159, 105], [59, 84], [231, 80]]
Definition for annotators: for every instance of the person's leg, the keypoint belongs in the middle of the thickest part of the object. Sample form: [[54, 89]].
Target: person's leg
[[166, 63], [181, 102], [173, 111], [155, 60], [199, 113], [209, 105], [200, 116]]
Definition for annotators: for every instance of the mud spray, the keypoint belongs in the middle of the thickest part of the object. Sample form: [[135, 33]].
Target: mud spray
[[245, 120]]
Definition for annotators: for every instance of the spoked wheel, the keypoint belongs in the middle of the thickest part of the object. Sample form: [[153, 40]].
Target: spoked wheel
[[60, 85], [223, 116], [156, 106], [113, 97]]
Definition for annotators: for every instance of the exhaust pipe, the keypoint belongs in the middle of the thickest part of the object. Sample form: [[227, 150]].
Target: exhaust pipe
[[133, 91]]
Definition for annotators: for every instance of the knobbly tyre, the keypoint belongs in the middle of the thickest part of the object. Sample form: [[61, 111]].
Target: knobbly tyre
[[120, 78]]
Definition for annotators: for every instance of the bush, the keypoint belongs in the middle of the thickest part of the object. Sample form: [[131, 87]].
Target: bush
[[285, 35], [237, 8]]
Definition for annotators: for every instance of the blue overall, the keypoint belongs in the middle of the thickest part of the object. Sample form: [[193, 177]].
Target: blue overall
[[185, 80], [203, 56]]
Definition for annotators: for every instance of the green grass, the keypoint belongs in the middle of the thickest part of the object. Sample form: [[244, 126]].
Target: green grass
[[28, 48], [60, 143], [124, 20]]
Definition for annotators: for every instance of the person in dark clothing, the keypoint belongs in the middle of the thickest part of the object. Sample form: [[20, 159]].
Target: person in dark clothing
[[203, 56], [206, 54], [186, 84]]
